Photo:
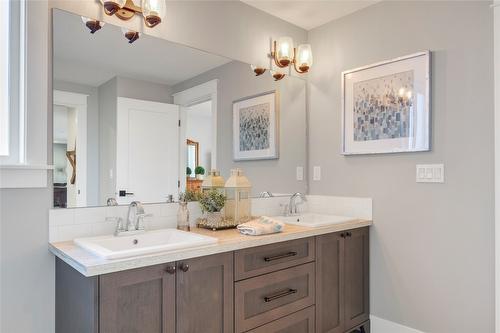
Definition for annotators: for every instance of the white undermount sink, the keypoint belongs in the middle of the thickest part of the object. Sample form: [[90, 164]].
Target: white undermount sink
[[313, 220], [115, 247]]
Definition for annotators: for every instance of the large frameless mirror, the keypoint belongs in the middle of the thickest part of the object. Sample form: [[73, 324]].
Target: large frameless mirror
[[146, 120]]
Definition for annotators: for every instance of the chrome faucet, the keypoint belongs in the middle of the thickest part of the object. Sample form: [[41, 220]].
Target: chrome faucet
[[135, 217], [265, 194], [111, 202], [291, 208]]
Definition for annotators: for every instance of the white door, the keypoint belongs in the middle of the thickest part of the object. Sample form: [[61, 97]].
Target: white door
[[147, 148]]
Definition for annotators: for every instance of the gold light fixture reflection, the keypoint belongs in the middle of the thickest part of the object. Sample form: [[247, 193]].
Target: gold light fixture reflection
[[285, 54], [93, 25], [153, 11], [277, 75], [258, 70], [130, 35]]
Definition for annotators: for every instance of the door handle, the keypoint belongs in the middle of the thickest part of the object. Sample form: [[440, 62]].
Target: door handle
[[184, 267], [124, 193], [170, 269]]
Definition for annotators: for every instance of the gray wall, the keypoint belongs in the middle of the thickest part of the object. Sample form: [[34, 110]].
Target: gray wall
[[92, 135], [237, 81], [432, 245], [27, 277], [138, 89], [27, 269], [107, 139]]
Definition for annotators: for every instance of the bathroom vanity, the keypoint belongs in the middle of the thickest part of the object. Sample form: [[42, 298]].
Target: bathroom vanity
[[302, 280]]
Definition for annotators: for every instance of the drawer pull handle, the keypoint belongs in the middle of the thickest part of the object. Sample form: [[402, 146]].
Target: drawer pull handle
[[281, 256], [279, 295]]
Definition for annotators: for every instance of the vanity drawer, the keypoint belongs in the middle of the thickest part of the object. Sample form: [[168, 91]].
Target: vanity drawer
[[269, 258], [297, 322], [265, 298]]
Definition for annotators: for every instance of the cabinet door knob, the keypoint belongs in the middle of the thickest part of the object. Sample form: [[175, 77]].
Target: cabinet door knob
[[348, 234], [342, 235], [170, 269], [184, 267]]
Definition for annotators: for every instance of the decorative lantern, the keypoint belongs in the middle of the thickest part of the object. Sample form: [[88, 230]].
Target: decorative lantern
[[238, 189], [213, 181]]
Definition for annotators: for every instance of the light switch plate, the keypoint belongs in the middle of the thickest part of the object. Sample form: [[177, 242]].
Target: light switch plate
[[430, 173], [300, 173], [317, 173]]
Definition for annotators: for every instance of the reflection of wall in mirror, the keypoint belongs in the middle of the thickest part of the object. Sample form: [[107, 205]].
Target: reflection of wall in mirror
[[198, 129], [236, 81]]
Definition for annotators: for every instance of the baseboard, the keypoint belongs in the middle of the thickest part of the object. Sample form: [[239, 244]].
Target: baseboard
[[379, 325]]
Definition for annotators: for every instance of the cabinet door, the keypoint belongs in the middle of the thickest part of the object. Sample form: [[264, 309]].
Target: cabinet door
[[329, 283], [138, 301], [205, 294], [356, 277]]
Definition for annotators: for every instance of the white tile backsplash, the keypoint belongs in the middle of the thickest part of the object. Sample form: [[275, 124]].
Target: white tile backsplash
[[59, 216], [90, 215], [67, 224]]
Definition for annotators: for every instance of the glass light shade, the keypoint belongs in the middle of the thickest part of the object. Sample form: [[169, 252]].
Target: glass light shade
[[258, 70], [92, 24], [276, 75], [112, 6], [153, 11], [284, 51], [304, 58], [131, 35], [120, 3]]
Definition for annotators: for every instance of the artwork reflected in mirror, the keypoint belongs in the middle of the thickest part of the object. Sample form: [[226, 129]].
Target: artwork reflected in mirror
[[128, 130]]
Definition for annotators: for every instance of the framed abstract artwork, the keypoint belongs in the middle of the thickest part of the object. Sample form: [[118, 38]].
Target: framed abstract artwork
[[386, 106], [255, 127]]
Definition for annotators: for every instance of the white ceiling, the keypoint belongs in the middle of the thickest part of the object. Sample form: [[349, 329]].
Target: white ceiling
[[83, 58], [310, 14]]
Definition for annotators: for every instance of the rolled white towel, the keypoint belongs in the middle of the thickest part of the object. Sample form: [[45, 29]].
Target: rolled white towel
[[261, 226]]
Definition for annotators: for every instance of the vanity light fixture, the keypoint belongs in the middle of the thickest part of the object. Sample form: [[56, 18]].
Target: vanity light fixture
[[277, 75], [93, 25], [131, 35], [285, 54], [153, 11], [258, 70]]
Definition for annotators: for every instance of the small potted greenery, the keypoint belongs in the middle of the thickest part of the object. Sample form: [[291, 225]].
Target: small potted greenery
[[188, 171], [199, 171], [211, 203]]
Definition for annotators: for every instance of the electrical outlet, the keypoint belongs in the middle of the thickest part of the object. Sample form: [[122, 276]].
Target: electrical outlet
[[430, 173], [317, 173]]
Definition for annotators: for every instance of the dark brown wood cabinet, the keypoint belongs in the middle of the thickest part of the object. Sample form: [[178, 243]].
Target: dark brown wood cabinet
[[317, 284], [190, 296], [205, 294], [329, 283], [342, 281], [268, 297], [138, 300], [298, 322], [356, 277]]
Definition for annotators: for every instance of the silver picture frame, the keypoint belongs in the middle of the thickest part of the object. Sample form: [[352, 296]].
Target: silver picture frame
[[272, 151], [418, 137]]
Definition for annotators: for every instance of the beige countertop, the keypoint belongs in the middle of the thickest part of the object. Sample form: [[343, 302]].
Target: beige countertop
[[228, 240]]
